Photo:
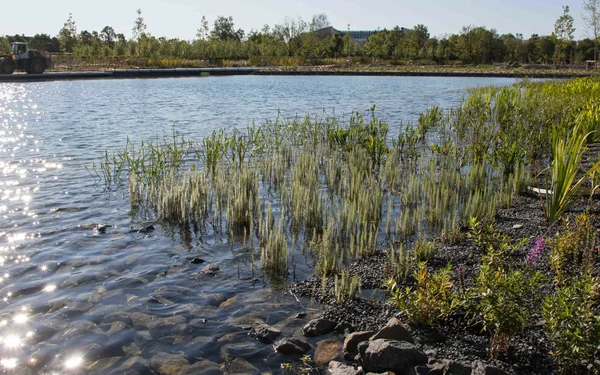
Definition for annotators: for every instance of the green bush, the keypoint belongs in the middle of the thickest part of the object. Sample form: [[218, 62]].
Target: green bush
[[573, 324], [500, 303], [431, 299]]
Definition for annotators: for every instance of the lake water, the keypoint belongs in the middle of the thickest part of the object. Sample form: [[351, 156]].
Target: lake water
[[75, 300]]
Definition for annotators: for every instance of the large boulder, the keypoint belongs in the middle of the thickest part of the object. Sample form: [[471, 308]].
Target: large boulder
[[327, 351], [394, 330], [351, 342], [391, 355], [318, 327], [292, 346]]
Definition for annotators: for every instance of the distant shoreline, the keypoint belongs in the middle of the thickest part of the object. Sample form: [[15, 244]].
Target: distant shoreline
[[301, 71]]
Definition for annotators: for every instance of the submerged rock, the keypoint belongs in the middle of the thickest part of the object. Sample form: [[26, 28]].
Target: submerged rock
[[264, 333], [292, 346], [196, 260], [169, 364], [133, 364], [241, 366], [247, 349], [318, 327], [204, 368]]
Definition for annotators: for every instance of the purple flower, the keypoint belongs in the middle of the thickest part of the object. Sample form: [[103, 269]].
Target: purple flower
[[535, 252]]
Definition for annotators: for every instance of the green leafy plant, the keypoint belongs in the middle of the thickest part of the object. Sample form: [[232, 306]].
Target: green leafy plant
[[564, 186], [573, 324], [500, 303], [496, 244], [429, 300], [573, 249]]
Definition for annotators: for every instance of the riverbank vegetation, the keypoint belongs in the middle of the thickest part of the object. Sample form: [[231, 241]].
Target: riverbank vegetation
[[296, 42], [328, 192]]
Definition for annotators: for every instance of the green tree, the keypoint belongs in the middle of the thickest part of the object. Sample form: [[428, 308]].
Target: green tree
[[377, 45], [139, 27], [68, 35], [41, 42], [478, 45], [591, 17], [418, 37], [108, 36], [288, 33], [223, 29], [563, 34], [203, 32], [545, 47]]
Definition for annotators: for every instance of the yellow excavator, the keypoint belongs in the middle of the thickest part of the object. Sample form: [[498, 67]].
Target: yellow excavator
[[30, 60]]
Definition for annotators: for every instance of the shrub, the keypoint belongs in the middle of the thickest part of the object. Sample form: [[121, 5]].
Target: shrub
[[500, 303], [431, 299], [573, 324], [573, 248]]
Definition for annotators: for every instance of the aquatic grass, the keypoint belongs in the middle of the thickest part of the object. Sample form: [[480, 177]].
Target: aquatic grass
[[423, 249], [345, 189], [399, 263], [346, 287]]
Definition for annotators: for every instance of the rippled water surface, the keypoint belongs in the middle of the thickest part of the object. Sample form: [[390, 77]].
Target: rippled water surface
[[78, 300]]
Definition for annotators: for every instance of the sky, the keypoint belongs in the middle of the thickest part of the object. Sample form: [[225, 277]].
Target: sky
[[181, 18]]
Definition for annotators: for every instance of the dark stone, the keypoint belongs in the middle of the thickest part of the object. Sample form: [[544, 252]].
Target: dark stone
[[196, 260], [264, 333], [144, 229], [390, 355], [101, 228], [457, 368], [318, 327], [344, 327], [394, 330], [432, 369], [301, 315], [351, 343], [292, 346]]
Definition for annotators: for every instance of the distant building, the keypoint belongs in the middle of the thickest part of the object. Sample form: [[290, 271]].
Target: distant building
[[359, 36]]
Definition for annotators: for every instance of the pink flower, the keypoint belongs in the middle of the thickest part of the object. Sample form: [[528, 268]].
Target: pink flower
[[535, 252]]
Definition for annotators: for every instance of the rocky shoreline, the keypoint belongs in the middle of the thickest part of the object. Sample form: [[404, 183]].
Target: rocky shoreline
[[453, 346]]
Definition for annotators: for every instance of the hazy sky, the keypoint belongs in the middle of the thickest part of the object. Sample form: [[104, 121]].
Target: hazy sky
[[181, 18]]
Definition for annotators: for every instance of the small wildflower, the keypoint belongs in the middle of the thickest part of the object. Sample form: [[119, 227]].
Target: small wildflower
[[535, 252]]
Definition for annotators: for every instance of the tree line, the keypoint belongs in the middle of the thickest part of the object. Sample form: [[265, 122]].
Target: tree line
[[295, 39]]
